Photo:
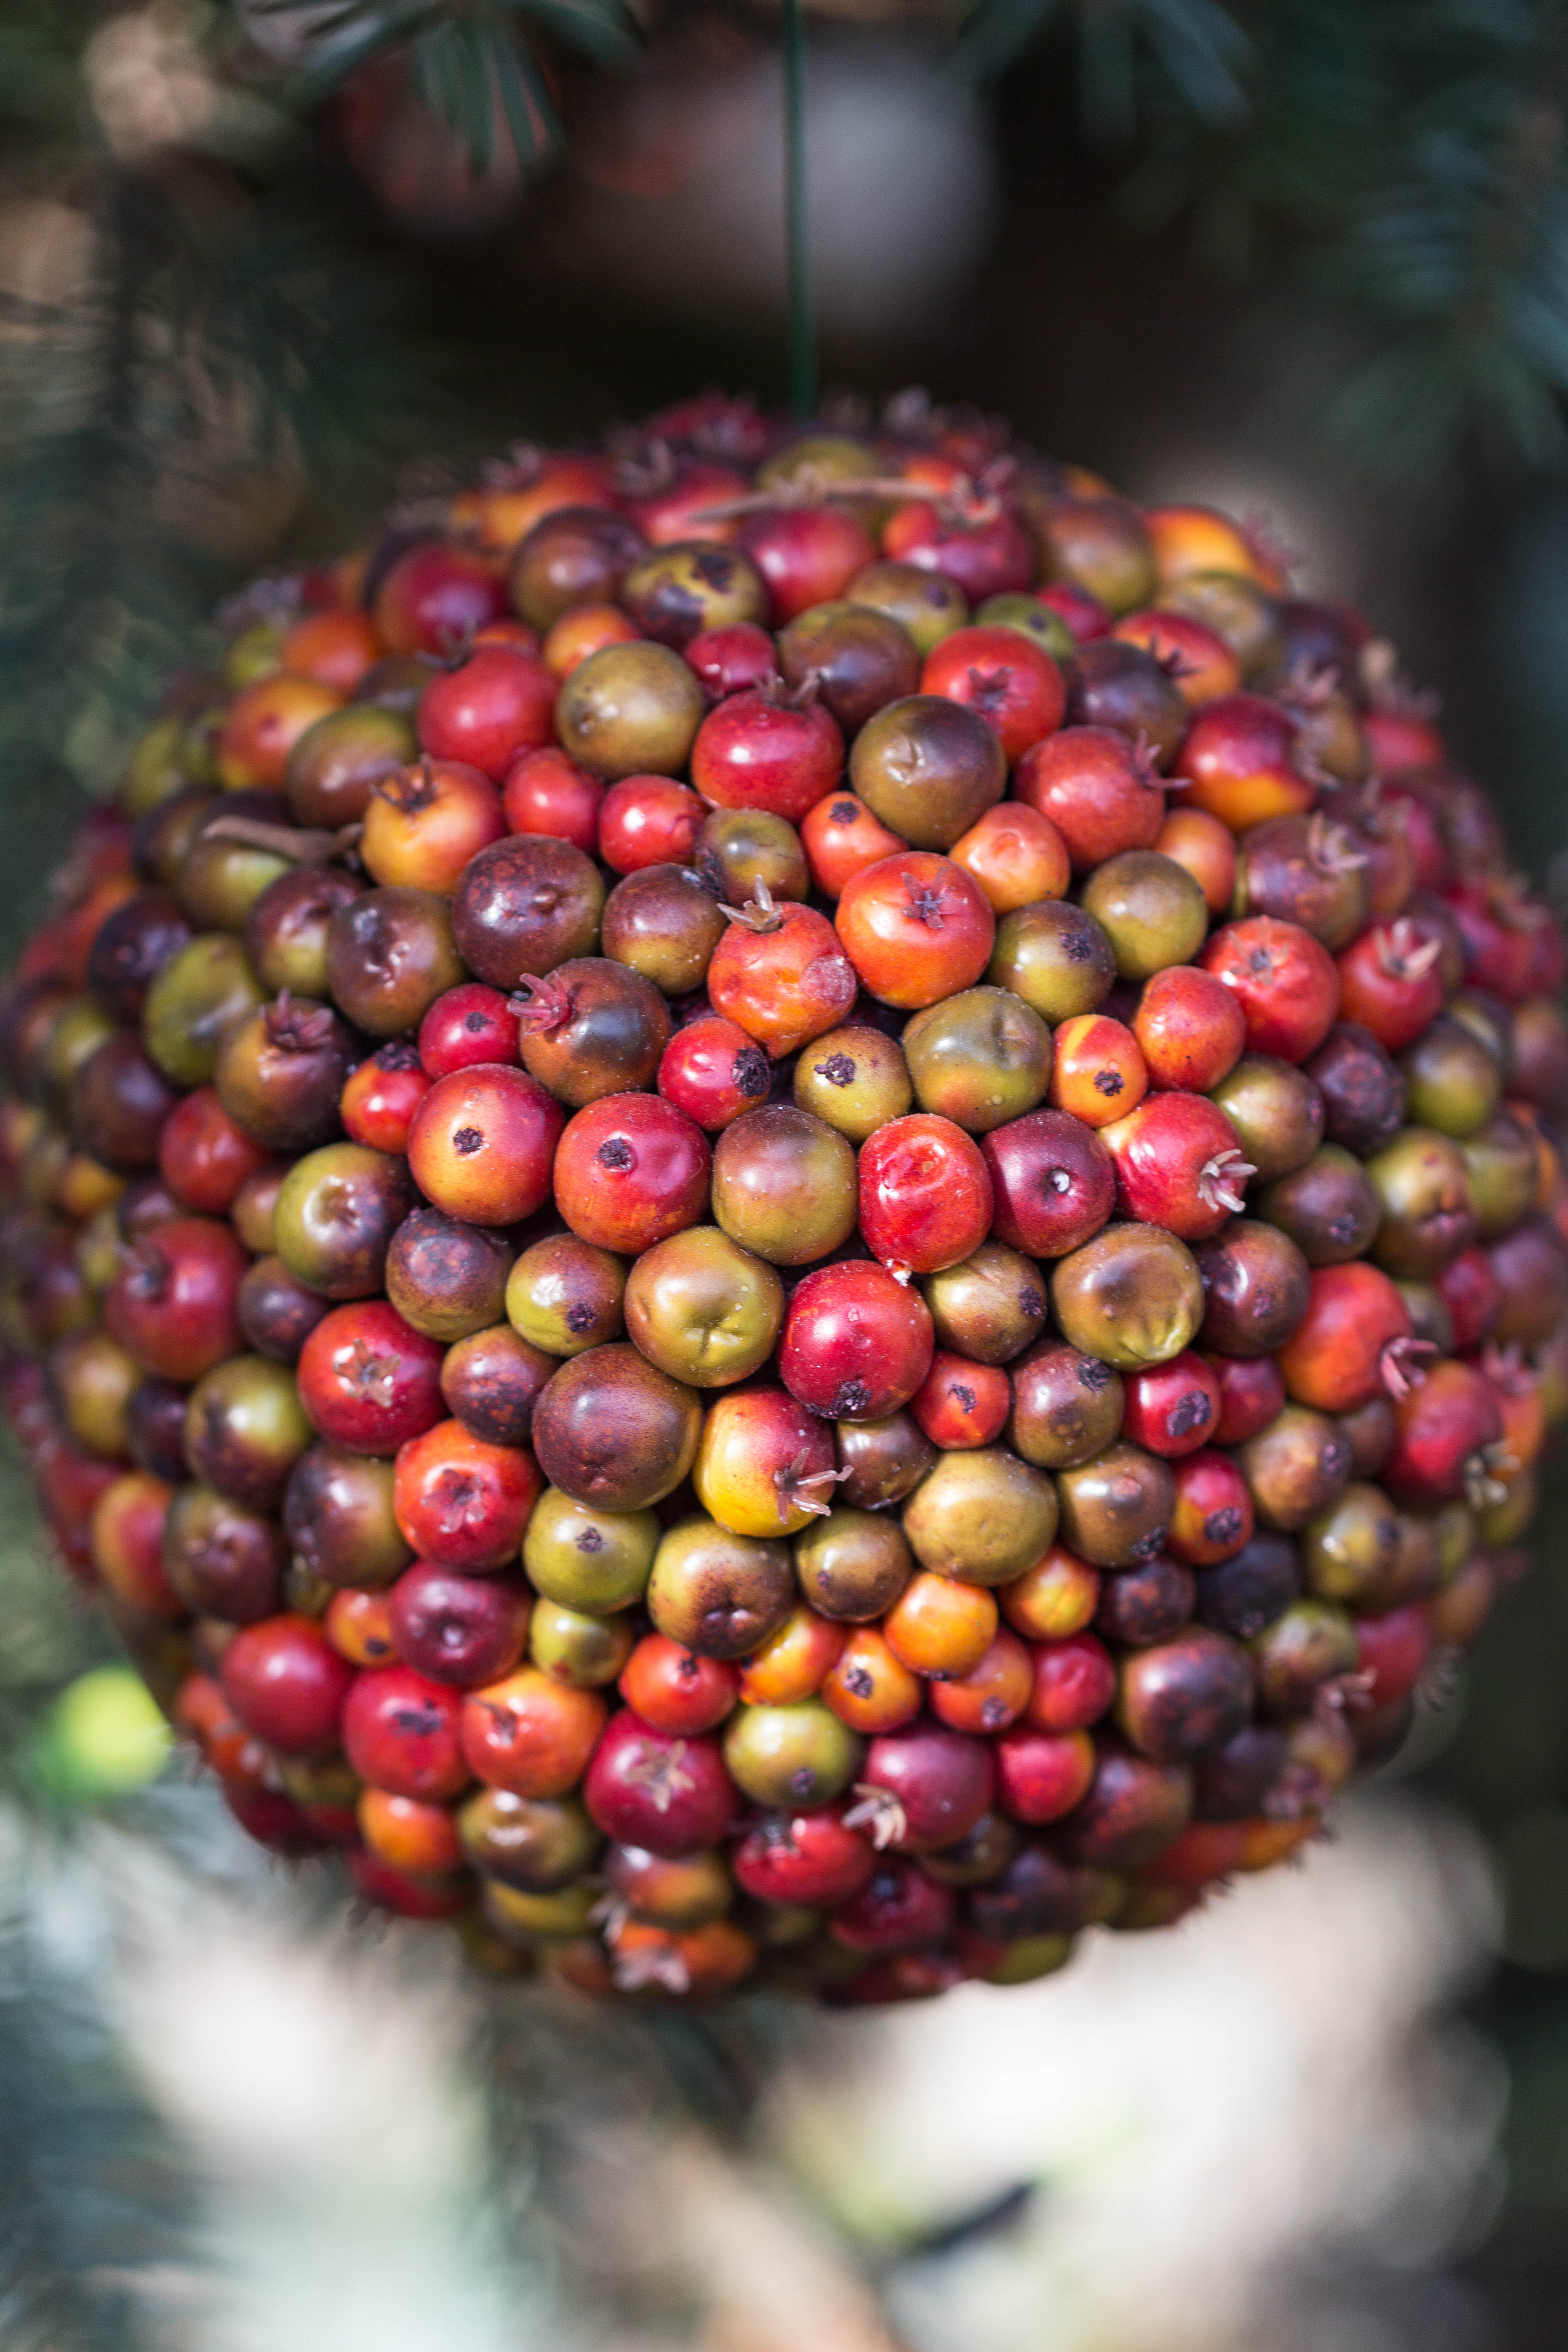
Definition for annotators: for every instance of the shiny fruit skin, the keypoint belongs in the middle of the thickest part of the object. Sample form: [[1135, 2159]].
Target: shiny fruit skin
[[1043, 1776], [1285, 981], [489, 711], [481, 1144], [676, 1691], [1101, 793], [857, 1344], [1017, 855], [869, 1689], [1054, 1183], [1191, 1029], [1178, 1164], [985, 1516], [337, 1209], [785, 1185], [808, 556], [647, 821], [1237, 760], [804, 1858], [424, 823], [288, 1685], [1206, 848], [1097, 1070], [1132, 1295], [630, 1170], [461, 1630], [859, 659], [368, 1380], [763, 751], [470, 1024], [172, 1304], [962, 1404], [545, 793], [1173, 1408], [668, 1792], [262, 725], [594, 1027], [1213, 1517], [729, 660], [764, 1467], [782, 977], [916, 928], [630, 709], [712, 1070], [432, 597], [839, 836], [925, 1194], [612, 1430], [523, 906], [928, 768], [204, 1155], [379, 1099], [1014, 686], [1391, 982], [389, 954], [704, 1309], [461, 1503]]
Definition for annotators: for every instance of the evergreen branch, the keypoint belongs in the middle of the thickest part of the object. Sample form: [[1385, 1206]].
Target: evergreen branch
[[604, 29], [1199, 47]]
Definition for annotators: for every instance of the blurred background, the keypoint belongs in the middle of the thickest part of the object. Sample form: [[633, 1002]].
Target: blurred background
[[261, 266]]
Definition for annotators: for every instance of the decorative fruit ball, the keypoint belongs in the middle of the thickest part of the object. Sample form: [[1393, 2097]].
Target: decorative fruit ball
[[805, 1234]]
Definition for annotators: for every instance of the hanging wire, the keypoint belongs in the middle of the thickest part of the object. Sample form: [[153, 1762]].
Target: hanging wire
[[797, 225]]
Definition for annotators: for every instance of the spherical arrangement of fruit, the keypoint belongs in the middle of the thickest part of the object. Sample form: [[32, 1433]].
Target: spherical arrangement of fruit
[[780, 1208]]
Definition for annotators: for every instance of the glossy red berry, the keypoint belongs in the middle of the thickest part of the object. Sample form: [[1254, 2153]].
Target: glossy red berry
[[808, 555], [1355, 1342], [1014, 686], [1178, 1164], [1172, 1409], [1102, 794], [916, 928], [400, 1732], [461, 1502], [666, 1791], [546, 792], [712, 1070], [730, 659], [287, 1684], [1074, 1684], [961, 1403], [648, 820], [1284, 979], [1213, 1517], [488, 710], [856, 1343], [1053, 1179], [925, 1194], [368, 1380], [468, 1023], [1191, 1029], [1391, 980], [781, 974], [674, 1689], [379, 1099], [810, 1858], [630, 1171], [767, 747]]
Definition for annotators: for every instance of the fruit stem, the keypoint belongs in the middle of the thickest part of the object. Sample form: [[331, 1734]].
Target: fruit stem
[[305, 845], [797, 224]]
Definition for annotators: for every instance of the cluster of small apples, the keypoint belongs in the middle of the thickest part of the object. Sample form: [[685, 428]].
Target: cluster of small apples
[[781, 1207]]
